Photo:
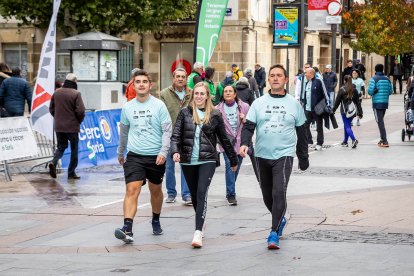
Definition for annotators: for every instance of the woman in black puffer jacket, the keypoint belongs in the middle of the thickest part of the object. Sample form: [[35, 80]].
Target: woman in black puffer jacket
[[193, 144]]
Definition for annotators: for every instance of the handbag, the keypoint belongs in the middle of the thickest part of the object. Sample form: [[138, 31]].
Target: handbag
[[320, 108], [350, 110]]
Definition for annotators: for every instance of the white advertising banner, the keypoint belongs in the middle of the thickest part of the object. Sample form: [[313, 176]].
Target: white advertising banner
[[16, 138], [44, 88]]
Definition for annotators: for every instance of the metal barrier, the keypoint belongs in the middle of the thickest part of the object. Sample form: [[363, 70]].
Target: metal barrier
[[46, 150]]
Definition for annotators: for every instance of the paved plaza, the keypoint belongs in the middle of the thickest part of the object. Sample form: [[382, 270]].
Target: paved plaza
[[350, 213]]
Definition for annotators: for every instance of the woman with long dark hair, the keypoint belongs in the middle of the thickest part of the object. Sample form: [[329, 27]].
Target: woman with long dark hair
[[348, 98], [193, 144]]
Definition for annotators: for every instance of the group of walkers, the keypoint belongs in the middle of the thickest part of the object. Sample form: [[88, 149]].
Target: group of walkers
[[185, 127]]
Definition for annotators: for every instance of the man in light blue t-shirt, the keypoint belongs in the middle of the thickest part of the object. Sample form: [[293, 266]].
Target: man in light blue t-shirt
[[145, 130], [280, 134]]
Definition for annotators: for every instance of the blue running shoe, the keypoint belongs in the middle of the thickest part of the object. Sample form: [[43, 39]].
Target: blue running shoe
[[281, 227], [124, 235], [273, 240], [156, 227]]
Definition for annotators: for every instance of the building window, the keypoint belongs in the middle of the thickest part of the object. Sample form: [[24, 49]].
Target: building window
[[15, 55], [310, 55], [354, 55]]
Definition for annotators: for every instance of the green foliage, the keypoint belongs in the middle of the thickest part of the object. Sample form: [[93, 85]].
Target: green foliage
[[385, 27], [109, 16]]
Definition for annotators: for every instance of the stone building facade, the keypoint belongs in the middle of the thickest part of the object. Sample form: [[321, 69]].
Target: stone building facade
[[245, 39]]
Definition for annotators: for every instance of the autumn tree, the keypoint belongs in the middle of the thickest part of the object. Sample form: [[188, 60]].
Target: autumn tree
[[385, 27], [110, 16]]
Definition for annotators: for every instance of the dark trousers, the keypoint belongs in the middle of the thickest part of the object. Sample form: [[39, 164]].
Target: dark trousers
[[379, 117], [394, 83], [310, 117], [198, 179], [274, 179], [62, 143]]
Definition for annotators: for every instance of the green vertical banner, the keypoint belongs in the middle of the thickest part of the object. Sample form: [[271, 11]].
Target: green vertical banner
[[210, 18]]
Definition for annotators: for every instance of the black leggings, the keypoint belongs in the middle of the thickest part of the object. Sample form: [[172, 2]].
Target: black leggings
[[198, 179], [274, 178]]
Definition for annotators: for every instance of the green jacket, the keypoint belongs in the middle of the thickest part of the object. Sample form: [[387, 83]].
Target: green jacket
[[192, 79], [173, 102], [210, 85]]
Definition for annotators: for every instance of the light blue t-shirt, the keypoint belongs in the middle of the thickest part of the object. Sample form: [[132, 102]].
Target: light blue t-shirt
[[144, 121], [358, 82], [231, 114], [276, 121], [308, 90], [180, 94]]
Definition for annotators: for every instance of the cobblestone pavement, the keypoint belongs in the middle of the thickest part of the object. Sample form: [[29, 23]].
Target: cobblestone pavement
[[354, 237]]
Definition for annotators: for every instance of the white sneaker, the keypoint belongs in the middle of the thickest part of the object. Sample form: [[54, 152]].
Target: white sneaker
[[197, 239], [318, 147]]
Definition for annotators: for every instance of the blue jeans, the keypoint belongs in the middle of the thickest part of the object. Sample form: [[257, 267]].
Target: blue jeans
[[170, 180], [231, 176], [331, 98]]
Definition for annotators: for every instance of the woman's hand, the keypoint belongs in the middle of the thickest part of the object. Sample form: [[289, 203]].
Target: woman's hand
[[242, 117], [176, 157], [233, 169], [243, 151]]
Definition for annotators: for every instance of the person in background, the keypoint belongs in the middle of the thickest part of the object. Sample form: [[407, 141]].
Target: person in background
[[380, 89], [330, 80], [347, 70], [300, 84], [260, 76], [244, 92], [346, 94], [228, 80], [208, 79], [248, 73], [68, 111], [311, 95], [196, 76], [234, 113], [361, 68], [237, 73], [396, 72], [176, 97], [14, 93], [360, 87], [193, 144], [130, 93]]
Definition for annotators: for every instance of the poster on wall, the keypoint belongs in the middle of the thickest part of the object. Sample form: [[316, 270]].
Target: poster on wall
[[317, 13], [286, 26]]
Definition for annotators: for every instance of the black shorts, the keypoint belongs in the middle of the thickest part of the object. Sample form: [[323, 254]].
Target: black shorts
[[141, 167]]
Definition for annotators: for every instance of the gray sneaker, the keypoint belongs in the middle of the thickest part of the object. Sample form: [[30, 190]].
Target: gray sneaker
[[170, 199], [188, 201], [232, 201]]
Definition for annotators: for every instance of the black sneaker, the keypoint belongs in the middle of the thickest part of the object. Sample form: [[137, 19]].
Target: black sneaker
[[380, 142], [354, 143], [344, 144], [232, 201], [156, 227], [52, 170], [124, 235]]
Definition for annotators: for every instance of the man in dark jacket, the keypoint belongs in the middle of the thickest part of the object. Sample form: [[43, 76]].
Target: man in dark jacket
[[396, 72], [260, 76], [68, 110], [14, 92], [330, 80], [347, 71], [311, 95]]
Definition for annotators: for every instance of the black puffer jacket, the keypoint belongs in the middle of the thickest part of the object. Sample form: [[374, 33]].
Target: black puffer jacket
[[182, 139]]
